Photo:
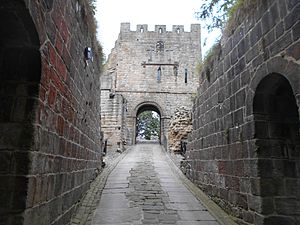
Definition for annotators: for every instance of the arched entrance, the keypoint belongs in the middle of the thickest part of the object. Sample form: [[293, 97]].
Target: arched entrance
[[278, 141], [20, 71], [148, 123]]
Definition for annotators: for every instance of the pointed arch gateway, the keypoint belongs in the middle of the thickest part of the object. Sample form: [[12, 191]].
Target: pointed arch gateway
[[277, 137], [149, 107], [20, 73]]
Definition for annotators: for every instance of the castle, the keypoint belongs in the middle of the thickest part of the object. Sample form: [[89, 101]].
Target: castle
[[148, 70]]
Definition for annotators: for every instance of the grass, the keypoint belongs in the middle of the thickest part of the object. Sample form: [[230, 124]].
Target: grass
[[238, 12], [206, 64]]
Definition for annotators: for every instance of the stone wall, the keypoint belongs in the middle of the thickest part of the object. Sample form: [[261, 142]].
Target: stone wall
[[113, 109], [179, 128], [112, 120], [154, 70], [50, 145], [244, 148]]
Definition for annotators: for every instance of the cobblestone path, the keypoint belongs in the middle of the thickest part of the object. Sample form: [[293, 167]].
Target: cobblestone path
[[142, 189]]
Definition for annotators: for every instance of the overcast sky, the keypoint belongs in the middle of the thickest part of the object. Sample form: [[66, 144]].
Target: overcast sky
[[110, 13]]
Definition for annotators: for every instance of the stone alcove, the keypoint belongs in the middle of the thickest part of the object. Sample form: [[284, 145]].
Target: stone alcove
[[278, 149], [20, 71]]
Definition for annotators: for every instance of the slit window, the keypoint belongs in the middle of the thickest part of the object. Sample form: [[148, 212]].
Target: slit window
[[185, 76], [142, 30], [175, 70], [160, 30], [158, 74]]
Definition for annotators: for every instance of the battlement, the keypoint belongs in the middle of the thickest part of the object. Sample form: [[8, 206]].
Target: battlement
[[142, 28]]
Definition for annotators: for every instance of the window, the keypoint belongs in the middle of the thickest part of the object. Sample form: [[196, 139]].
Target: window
[[185, 75], [158, 74], [175, 70], [160, 46]]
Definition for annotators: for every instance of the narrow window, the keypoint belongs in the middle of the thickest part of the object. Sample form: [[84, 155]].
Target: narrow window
[[175, 70], [158, 74], [142, 30], [185, 75], [178, 30], [160, 30], [160, 46]]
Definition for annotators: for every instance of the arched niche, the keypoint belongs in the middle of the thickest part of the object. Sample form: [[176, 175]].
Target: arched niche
[[20, 72], [276, 120]]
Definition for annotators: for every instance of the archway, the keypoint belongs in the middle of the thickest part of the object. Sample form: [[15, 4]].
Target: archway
[[278, 141], [20, 71], [148, 124]]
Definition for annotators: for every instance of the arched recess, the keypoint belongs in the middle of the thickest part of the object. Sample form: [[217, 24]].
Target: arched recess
[[20, 72], [148, 106], [280, 65], [277, 137]]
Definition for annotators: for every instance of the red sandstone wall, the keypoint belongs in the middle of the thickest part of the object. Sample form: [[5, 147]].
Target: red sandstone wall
[[64, 150], [67, 130]]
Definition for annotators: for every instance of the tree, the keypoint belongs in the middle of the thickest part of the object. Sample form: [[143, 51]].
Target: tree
[[92, 4], [215, 13], [148, 125]]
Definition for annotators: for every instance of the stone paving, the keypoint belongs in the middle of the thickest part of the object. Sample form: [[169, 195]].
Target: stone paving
[[143, 189], [86, 207]]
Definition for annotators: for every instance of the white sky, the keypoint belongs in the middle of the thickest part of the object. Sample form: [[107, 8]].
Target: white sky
[[111, 13]]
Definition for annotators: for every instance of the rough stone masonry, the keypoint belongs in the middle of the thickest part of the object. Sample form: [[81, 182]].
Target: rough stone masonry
[[148, 70], [244, 150], [49, 113], [180, 127]]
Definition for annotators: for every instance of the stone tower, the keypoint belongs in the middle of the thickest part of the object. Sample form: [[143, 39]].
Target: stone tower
[[148, 70]]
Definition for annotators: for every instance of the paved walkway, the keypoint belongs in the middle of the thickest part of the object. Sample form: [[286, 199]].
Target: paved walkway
[[142, 189]]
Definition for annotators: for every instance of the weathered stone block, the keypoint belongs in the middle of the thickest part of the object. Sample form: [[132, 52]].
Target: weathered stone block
[[242, 201], [238, 118], [280, 44], [269, 19], [280, 220], [286, 206], [255, 34], [245, 185], [291, 4], [238, 35], [248, 216], [19, 198], [294, 50], [234, 56], [293, 16], [296, 31], [279, 29], [252, 53]]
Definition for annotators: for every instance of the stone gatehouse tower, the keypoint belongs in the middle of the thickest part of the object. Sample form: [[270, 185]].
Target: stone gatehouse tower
[[148, 70]]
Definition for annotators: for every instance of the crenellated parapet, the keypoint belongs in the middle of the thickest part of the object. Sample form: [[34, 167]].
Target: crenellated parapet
[[159, 29]]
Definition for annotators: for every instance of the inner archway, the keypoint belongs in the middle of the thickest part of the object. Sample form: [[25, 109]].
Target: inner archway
[[148, 123], [20, 72], [278, 141]]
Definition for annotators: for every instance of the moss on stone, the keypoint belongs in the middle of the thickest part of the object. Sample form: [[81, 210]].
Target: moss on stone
[[236, 14]]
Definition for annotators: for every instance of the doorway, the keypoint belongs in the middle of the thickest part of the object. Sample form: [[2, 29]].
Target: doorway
[[278, 141], [20, 72], [148, 124]]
